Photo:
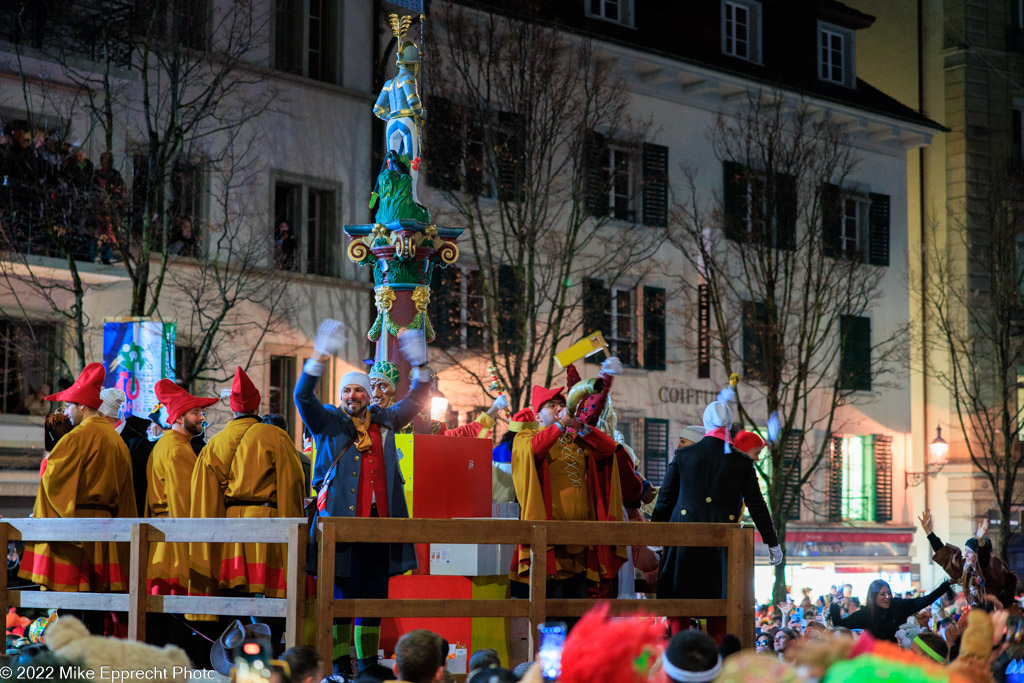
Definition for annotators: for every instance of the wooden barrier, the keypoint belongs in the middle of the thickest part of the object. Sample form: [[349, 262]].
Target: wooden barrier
[[737, 607], [141, 534]]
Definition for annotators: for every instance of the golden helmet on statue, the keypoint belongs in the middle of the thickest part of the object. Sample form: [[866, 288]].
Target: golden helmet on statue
[[581, 390]]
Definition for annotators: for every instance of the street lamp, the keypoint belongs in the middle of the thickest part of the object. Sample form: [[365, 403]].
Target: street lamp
[[938, 456], [438, 407]]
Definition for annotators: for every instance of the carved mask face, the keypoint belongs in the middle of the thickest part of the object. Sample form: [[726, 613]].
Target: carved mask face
[[383, 392]]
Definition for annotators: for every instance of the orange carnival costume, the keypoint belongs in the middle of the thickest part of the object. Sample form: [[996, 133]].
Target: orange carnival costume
[[169, 489], [88, 475], [559, 478], [249, 469]]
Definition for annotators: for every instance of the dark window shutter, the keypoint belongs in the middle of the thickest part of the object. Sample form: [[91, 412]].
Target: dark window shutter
[[753, 335], [855, 353], [445, 306], [510, 309], [654, 328], [596, 299], [883, 478], [508, 142], [655, 450], [596, 168], [655, 163], [835, 478], [734, 200], [443, 144], [785, 211], [878, 220], [831, 219], [792, 466]]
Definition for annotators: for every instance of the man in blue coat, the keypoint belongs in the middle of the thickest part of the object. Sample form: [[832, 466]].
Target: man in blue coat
[[365, 481]]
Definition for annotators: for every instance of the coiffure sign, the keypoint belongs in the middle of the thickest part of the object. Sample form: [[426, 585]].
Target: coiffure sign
[[687, 395]]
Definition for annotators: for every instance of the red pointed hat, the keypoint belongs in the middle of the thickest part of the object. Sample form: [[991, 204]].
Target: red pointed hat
[[86, 389], [749, 443], [177, 401], [245, 397], [524, 420], [540, 396]]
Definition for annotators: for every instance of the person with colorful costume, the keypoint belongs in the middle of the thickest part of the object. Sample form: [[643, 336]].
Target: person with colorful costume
[[169, 483], [357, 475], [139, 446], [384, 383], [88, 475], [248, 470], [566, 470], [503, 489]]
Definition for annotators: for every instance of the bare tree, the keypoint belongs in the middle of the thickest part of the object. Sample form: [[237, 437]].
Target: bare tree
[[972, 293], [778, 280], [521, 118]]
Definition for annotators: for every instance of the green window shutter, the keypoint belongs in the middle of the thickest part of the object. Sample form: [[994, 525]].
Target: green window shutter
[[442, 144], [855, 353], [509, 145], [510, 301], [445, 306], [785, 211], [654, 328], [753, 334], [835, 478], [792, 466], [655, 169], [655, 450], [596, 298], [596, 167], [883, 478], [831, 219], [878, 220], [734, 200]]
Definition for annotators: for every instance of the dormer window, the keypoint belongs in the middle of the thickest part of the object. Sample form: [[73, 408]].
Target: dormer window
[[614, 11], [741, 29], [835, 54]]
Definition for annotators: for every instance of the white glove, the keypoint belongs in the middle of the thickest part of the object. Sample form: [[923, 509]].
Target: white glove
[[611, 366], [413, 345], [500, 403], [330, 337], [775, 555], [225, 393]]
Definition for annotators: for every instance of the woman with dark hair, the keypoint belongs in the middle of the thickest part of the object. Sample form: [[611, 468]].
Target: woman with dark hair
[[882, 614]]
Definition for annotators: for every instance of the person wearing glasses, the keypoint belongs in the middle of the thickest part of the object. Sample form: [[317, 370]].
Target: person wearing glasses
[[763, 644]]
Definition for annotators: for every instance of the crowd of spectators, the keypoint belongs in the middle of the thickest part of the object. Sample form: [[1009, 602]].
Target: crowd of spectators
[[55, 198]]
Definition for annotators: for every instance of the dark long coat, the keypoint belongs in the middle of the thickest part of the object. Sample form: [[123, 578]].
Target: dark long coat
[[705, 484]]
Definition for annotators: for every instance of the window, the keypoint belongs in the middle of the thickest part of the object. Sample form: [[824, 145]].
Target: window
[[856, 226], [306, 34], [184, 203], [184, 365], [615, 11], [655, 450], [183, 21], [741, 29], [759, 209], [457, 308], [282, 384], [305, 232], [855, 353], [614, 312], [28, 353], [860, 478], [480, 154], [835, 54], [792, 471], [620, 176]]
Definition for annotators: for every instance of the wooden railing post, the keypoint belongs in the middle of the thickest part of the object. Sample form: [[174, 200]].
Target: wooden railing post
[[325, 590], [296, 587], [739, 618], [538, 582], [747, 552], [137, 579]]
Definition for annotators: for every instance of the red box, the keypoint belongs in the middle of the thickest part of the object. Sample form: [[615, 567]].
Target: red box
[[451, 477]]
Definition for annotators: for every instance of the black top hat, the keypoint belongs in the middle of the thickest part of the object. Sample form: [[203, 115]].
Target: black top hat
[[222, 652]]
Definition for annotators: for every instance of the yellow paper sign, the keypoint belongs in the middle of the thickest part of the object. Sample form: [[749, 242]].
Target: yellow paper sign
[[587, 346]]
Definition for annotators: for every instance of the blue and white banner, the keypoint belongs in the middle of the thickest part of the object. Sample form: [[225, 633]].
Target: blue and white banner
[[137, 355]]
